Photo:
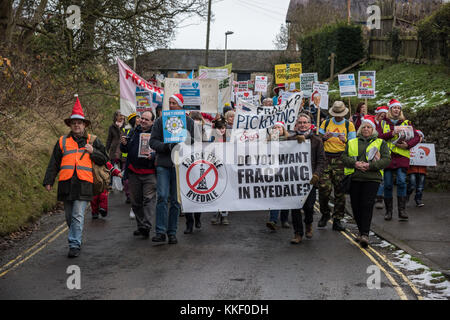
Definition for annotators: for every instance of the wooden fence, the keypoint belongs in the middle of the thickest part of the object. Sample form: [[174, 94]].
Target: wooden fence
[[404, 17]]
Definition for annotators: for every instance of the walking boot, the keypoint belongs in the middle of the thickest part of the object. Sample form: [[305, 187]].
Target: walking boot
[[364, 241], [337, 225], [217, 219], [401, 205], [309, 231], [189, 228], [379, 202], [297, 239], [198, 223], [388, 203], [323, 221]]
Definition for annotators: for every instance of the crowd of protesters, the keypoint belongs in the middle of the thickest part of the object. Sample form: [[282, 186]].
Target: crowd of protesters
[[357, 155]]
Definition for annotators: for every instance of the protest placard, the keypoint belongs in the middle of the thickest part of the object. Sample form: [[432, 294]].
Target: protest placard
[[144, 145], [133, 90], [250, 117], [209, 93], [244, 97], [321, 99], [423, 154], [306, 83], [174, 126], [218, 73], [347, 85], [190, 90], [287, 73], [366, 84], [240, 177], [261, 84]]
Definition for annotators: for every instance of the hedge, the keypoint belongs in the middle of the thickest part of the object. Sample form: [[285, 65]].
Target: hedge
[[346, 41]]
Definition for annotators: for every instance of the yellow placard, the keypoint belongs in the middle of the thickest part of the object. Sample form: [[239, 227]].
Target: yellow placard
[[287, 73]]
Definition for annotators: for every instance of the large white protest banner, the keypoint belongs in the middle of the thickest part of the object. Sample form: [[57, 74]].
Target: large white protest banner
[[251, 117], [423, 154], [209, 93], [242, 177], [134, 90]]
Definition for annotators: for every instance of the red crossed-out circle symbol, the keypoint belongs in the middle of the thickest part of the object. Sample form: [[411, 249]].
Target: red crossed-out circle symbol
[[211, 167]]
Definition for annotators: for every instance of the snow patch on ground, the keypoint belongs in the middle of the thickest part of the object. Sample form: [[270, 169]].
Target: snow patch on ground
[[424, 279]]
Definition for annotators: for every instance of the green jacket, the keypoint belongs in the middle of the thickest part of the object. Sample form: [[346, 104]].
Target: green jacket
[[373, 174]]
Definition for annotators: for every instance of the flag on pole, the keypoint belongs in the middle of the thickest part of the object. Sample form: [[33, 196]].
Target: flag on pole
[[130, 81]]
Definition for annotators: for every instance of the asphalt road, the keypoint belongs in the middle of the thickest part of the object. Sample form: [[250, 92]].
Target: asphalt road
[[240, 261]]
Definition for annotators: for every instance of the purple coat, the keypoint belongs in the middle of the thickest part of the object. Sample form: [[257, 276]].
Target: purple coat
[[397, 161]]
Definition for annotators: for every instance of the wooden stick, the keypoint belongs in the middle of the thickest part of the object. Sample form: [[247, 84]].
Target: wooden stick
[[318, 121], [350, 107]]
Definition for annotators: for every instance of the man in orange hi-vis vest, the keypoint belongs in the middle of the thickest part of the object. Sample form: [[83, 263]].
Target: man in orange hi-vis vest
[[72, 158]]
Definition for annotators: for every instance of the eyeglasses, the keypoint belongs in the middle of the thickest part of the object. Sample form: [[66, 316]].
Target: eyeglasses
[[146, 119], [303, 122]]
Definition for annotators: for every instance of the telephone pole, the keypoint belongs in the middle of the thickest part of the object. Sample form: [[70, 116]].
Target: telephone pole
[[348, 11], [207, 33]]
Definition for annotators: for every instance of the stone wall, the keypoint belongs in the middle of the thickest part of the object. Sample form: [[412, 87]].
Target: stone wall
[[434, 122]]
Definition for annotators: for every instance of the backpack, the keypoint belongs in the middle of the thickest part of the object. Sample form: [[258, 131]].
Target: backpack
[[347, 125], [102, 175]]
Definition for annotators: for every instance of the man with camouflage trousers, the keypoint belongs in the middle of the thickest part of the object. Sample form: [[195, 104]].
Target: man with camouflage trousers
[[335, 133]]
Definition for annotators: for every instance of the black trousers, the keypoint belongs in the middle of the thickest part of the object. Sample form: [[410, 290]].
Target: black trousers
[[190, 218], [362, 197], [308, 208]]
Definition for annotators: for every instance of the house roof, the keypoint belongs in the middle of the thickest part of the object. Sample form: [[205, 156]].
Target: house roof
[[188, 59]]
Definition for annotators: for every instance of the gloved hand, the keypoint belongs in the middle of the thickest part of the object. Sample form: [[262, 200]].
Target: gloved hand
[[314, 180], [300, 138]]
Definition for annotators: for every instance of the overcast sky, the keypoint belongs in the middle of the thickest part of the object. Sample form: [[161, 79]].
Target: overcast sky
[[255, 24]]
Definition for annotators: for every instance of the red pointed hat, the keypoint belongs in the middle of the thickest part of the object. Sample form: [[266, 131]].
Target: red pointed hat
[[77, 113]]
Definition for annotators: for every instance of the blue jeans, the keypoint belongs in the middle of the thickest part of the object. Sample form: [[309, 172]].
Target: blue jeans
[[389, 182], [417, 182], [166, 186], [75, 218], [274, 215], [380, 192]]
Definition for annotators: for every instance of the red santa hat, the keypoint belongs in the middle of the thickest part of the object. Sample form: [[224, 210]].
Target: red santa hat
[[179, 99], [420, 134], [382, 109], [281, 123], [77, 113], [370, 120], [393, 103]]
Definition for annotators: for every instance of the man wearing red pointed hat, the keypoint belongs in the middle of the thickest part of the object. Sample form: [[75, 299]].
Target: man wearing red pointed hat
[[72, 158]]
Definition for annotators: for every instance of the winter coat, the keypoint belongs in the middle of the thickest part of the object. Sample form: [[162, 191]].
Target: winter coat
[[74, 188], [164, 150], [132, 148], [397, 161], [318, 159], [113, 142], [373, 174]]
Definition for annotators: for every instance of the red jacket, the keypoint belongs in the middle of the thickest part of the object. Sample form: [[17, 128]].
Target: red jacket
[[397, 161]]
